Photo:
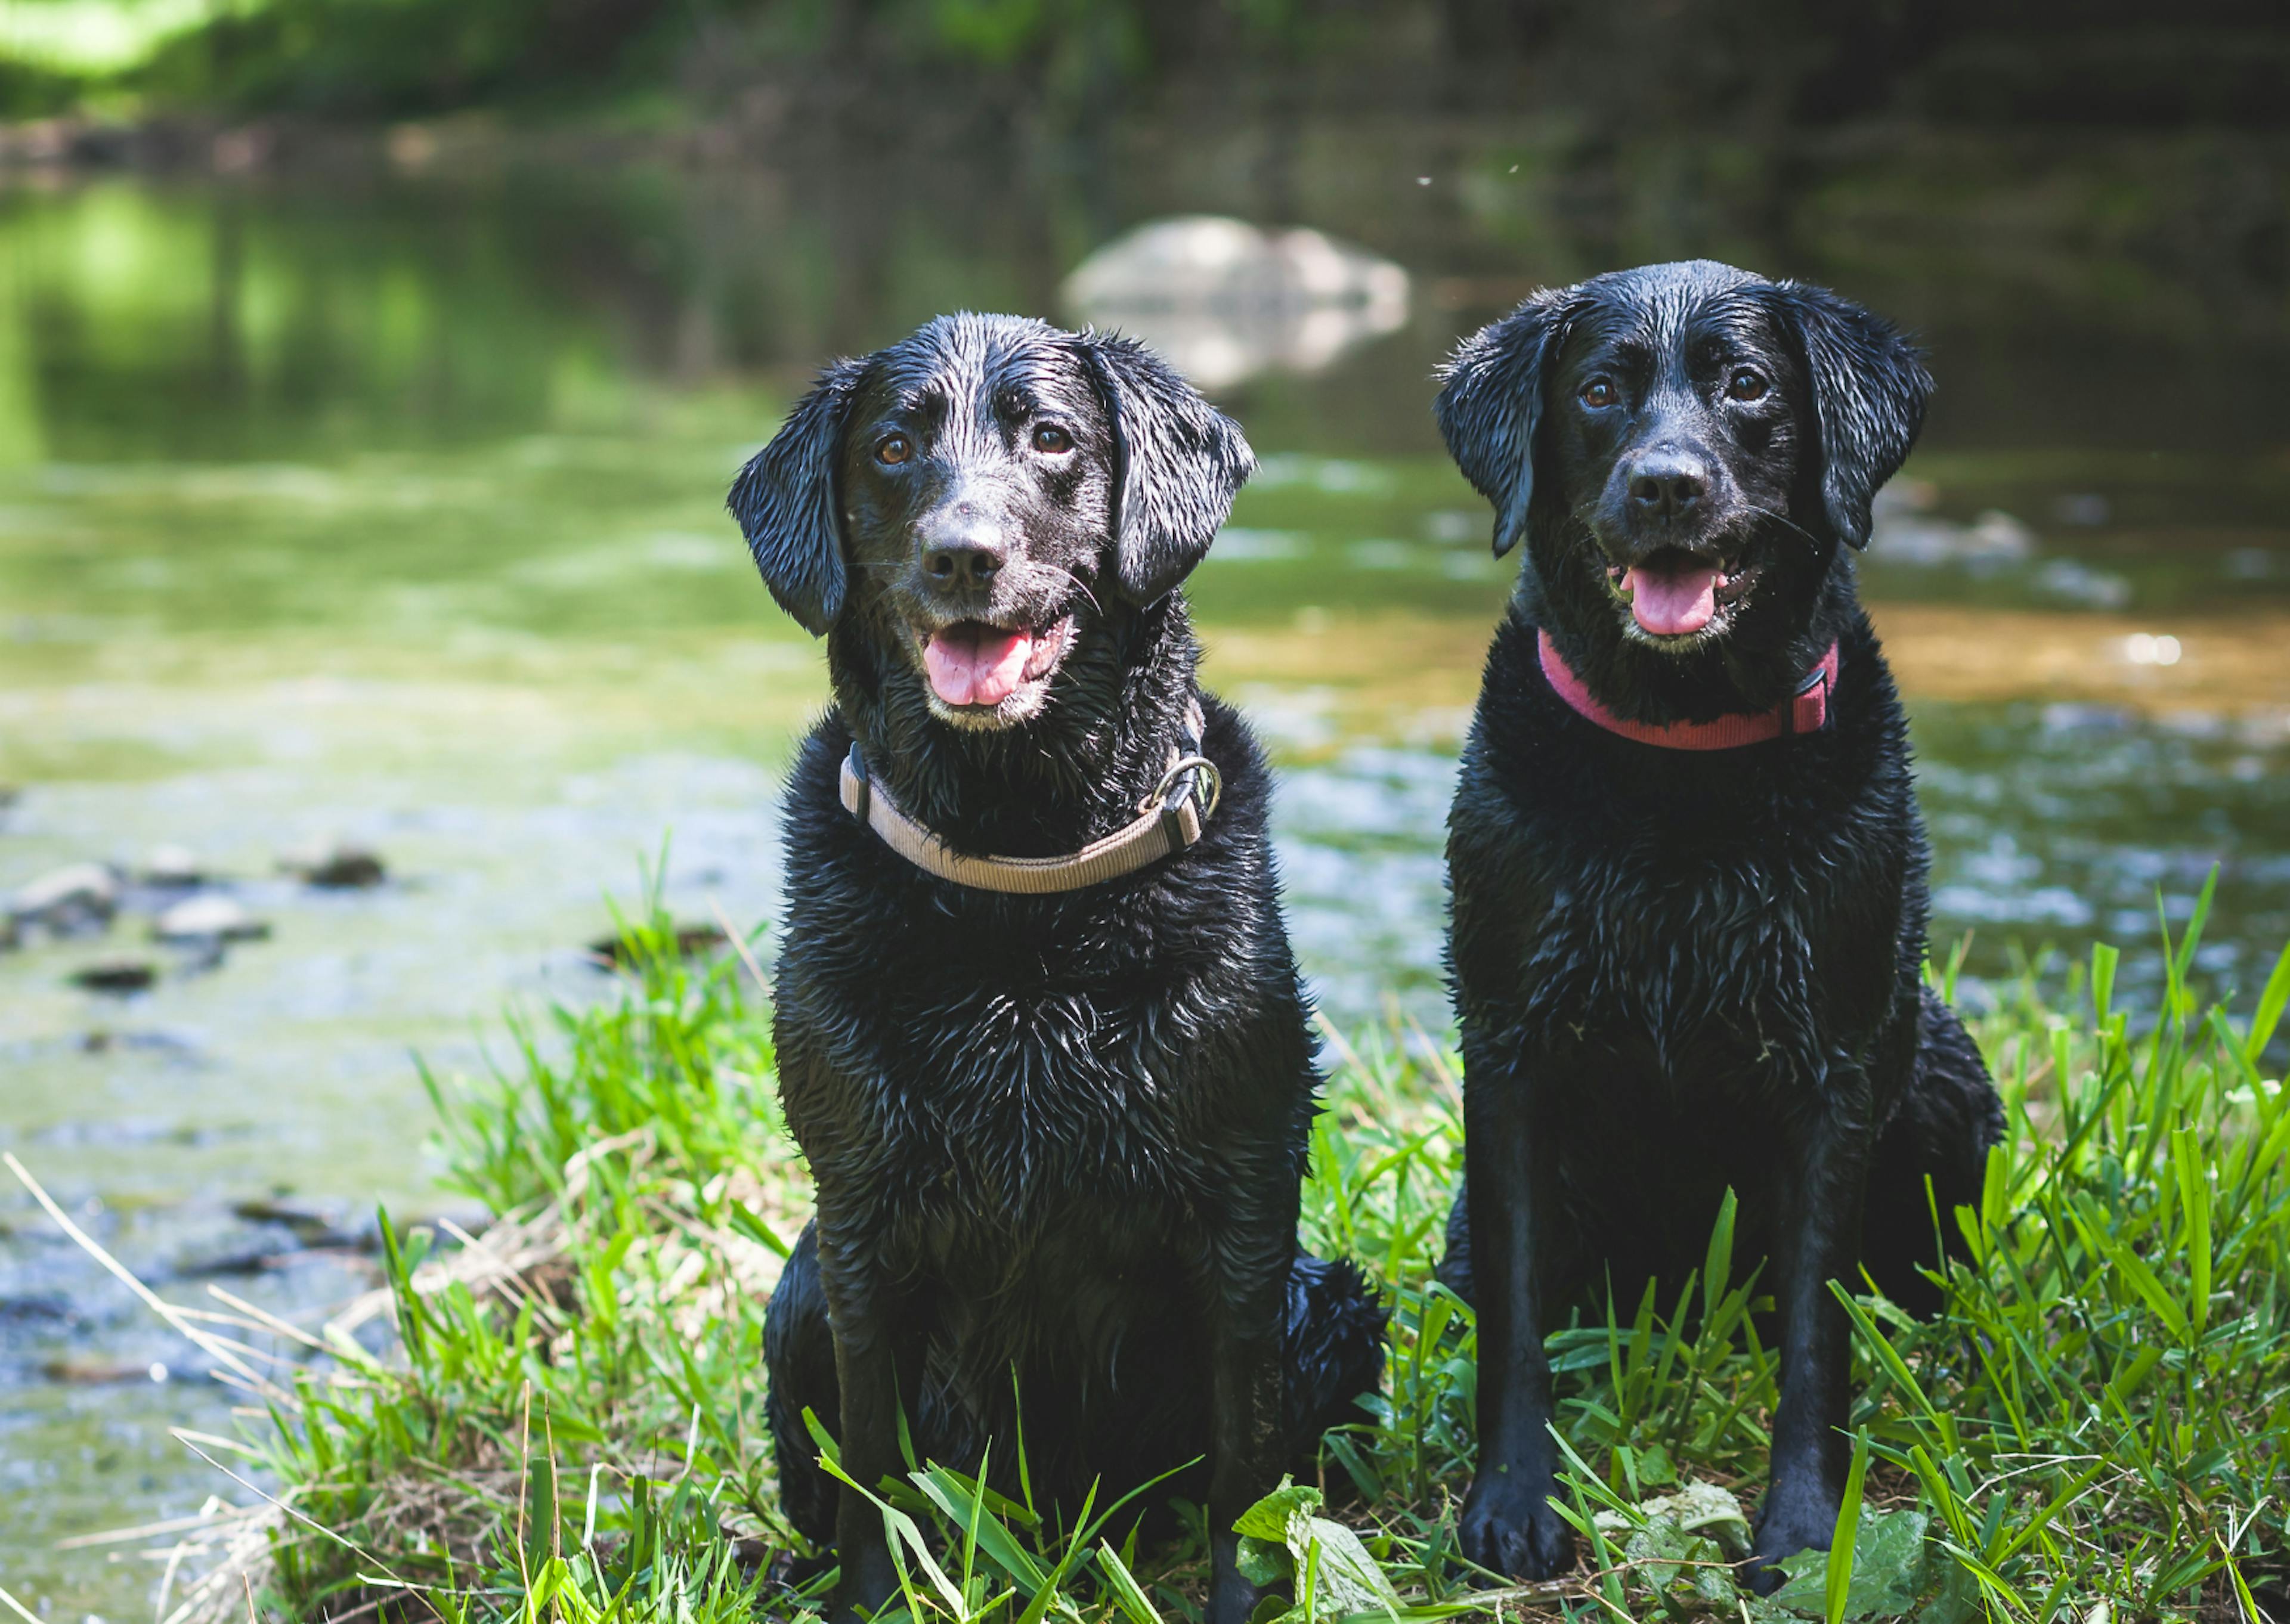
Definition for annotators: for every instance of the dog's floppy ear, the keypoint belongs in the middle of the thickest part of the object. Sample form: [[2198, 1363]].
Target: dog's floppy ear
[[784, 499], [1490, 401], [1870, 387], [1179, 462]]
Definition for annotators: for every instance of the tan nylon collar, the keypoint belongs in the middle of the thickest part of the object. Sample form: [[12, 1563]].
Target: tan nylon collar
[[1172, 820]]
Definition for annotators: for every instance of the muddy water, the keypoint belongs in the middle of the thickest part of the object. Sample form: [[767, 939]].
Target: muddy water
[[385, 509]]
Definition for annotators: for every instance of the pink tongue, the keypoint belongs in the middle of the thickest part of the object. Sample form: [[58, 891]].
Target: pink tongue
[[976, 665], [1668, 602]]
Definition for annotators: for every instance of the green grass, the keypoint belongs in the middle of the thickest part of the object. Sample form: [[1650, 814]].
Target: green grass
[[2098, 1417]]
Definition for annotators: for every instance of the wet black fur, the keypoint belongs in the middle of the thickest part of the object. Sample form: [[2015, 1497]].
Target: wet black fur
[[1679, 971], [1057, 1140]]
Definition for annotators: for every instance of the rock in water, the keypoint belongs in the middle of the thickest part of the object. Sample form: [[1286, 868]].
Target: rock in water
[[117, 975], [76, 1372], [208, 918], [82, 897], [311, 1225], [172, 866], [338, 867], [691, 941], [1224, 299]]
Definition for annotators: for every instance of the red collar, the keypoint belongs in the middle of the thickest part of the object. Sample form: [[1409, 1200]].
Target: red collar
[[1807, 713]]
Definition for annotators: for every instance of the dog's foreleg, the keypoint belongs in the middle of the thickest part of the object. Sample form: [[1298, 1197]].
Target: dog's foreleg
[[1509, 1526], [878, 1357], [1248, 1291], [1817, 1239]]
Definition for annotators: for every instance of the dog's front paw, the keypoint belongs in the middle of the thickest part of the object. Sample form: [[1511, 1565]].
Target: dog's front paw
[[1780, 1534], [1509, 1529]]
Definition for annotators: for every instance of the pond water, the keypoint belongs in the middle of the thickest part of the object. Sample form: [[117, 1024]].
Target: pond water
[[384, 506]]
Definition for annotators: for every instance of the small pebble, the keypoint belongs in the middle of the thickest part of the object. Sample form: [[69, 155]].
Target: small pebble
[[173, 866], [691, 941], [96, 1372], [341, 868], [117, 975], [208, 918], [312, 1226]]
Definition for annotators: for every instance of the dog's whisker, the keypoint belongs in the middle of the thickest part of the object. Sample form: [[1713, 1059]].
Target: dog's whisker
[[1782, 518], [1078, 585]]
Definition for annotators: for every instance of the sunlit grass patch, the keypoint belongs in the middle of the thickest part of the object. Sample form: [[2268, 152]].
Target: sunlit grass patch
[[568, 1421]]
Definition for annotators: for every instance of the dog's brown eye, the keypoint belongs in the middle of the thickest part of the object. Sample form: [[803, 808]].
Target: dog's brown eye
[[894, 450], [1051, 438], [1598, 394], [1746, 385]]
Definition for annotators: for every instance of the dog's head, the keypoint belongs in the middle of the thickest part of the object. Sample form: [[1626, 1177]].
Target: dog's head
[[985, 496], [1683, 447]]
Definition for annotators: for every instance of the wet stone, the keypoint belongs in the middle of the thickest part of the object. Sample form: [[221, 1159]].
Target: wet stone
[[209, 918], [83, 1372], [1223, 299], [339, 867], [311, 1225], [173, 867], [46, 1307], [117, 975], [67, 901], [691, 941]]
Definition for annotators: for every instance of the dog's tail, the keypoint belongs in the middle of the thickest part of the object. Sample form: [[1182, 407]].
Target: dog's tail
[[1334, 1345]]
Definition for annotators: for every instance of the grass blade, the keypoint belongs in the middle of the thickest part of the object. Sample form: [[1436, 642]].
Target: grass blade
[[1841, 1542]]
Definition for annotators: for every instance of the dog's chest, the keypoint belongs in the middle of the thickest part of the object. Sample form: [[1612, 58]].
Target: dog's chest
[[952, 1052], [1720, 958], [1700, 956], [1016, 1096], [1016, 1081]]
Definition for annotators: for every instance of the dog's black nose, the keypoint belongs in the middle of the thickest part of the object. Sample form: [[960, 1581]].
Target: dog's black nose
[[963, 552], [1668, 483], [965, 566]]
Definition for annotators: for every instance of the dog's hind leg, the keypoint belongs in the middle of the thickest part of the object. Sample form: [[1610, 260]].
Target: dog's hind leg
[[1454, 1270], [1942, 1133], [1334, 1349], [799, 1357]]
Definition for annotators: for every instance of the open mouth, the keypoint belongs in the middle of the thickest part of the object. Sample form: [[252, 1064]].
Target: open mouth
[[972, 664], [1675, 593]]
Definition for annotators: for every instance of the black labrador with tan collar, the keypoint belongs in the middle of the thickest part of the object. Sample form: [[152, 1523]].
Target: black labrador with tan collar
[[1688, 872], [1039, 1032]]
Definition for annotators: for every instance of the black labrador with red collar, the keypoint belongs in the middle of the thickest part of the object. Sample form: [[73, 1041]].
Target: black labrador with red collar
[[1058, 1136], [1688, 872]]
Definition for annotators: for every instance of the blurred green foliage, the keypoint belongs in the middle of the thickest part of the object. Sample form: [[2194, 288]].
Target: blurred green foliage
[[2107, 61], [411, 56]]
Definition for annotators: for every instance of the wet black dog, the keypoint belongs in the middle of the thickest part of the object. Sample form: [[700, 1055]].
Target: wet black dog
[[1058, 1138], [1687, 867]]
